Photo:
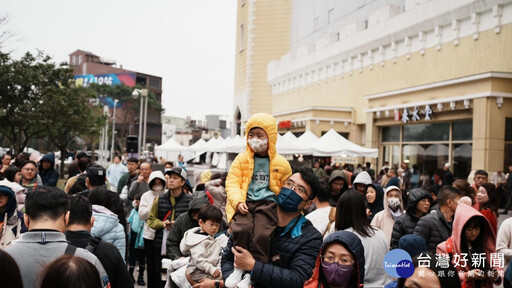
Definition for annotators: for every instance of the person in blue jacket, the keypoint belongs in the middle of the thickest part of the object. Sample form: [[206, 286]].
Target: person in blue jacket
[[49, 175], [296, 242]]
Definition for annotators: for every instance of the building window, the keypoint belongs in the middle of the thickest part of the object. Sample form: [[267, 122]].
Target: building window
[[391, 134], [462, 130], [430, 145], [330, 16], [74, 60], [241, 40], [427, 132], [79, 59], [154, 83]]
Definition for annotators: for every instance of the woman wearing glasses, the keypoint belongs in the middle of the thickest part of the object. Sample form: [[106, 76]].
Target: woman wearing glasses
[[340, 262], [351, 216], [29, 177]]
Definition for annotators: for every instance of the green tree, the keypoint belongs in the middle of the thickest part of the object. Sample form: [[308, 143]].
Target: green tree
[[23, 85], [67, 112]]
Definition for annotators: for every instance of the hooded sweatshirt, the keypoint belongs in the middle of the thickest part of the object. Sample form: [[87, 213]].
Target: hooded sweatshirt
[[242, 170], [463, 214], [333, 200], [11, 220], [146, 201], [384, 219], [363, 178], [352, 243], [50, 176], [204, 250], [378, 204], [107, 227], [406, 223]]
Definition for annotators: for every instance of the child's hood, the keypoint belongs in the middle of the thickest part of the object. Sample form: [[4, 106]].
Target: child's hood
[[192, 238], [268, 123]]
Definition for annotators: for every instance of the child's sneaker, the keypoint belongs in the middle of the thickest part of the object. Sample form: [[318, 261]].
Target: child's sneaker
[[234, 278], [246, 282]]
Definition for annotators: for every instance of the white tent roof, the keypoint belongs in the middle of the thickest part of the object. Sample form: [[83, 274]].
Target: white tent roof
[[286, 146], [213, 143], [198, 146], [289, 136], [172, 145], [236, 145], [171, 149], [333, 144], [307, 139]]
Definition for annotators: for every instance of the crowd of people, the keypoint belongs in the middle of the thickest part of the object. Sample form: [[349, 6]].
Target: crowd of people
[[263, 224]]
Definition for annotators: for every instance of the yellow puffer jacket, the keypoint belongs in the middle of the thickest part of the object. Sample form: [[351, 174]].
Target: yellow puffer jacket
[[240, 173]]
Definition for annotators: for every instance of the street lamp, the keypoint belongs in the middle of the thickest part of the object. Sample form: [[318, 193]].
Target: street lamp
[[144, 94], [113, 130]]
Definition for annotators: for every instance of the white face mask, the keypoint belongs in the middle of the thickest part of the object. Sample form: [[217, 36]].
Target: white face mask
[[258, 145], [393, 203], [158, 188]]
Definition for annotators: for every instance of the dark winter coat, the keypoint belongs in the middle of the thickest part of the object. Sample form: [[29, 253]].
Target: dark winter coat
[[165, 205], [291, 260], [406, 223], [333, 200], [434, 229], [108, 255], [183, 223], [50, 176]]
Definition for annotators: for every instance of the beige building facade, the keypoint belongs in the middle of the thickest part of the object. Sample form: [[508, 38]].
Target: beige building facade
[[425, 81]]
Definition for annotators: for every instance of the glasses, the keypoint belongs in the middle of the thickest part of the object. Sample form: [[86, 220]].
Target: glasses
[[2, 196], [29, 169], [329, 260], [295, 187]]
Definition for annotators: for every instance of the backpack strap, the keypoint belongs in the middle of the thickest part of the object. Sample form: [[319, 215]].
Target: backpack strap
[[70, 250], [332, 218], [93, 244]]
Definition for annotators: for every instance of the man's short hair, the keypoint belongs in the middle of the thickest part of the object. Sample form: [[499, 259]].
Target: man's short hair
[[447, 192], [96, 175], [80, 155], [83, 163], [169, 163], [481, 172], [80, 210], [308, 175], [45, 201], [100, 196], [210, 212], [324, 191], [133, 160]]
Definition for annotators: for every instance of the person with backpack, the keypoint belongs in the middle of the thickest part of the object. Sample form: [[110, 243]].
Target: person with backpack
[[78, 233], [46, 212]]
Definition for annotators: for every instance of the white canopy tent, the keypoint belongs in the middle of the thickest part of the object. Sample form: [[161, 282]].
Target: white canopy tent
[[289, 136], [307, 139], [286, 146], [171, 149], [236, 144], [333, 144]]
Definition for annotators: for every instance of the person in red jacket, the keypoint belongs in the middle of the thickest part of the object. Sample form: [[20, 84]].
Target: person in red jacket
[[487, 197], [472, 249]]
